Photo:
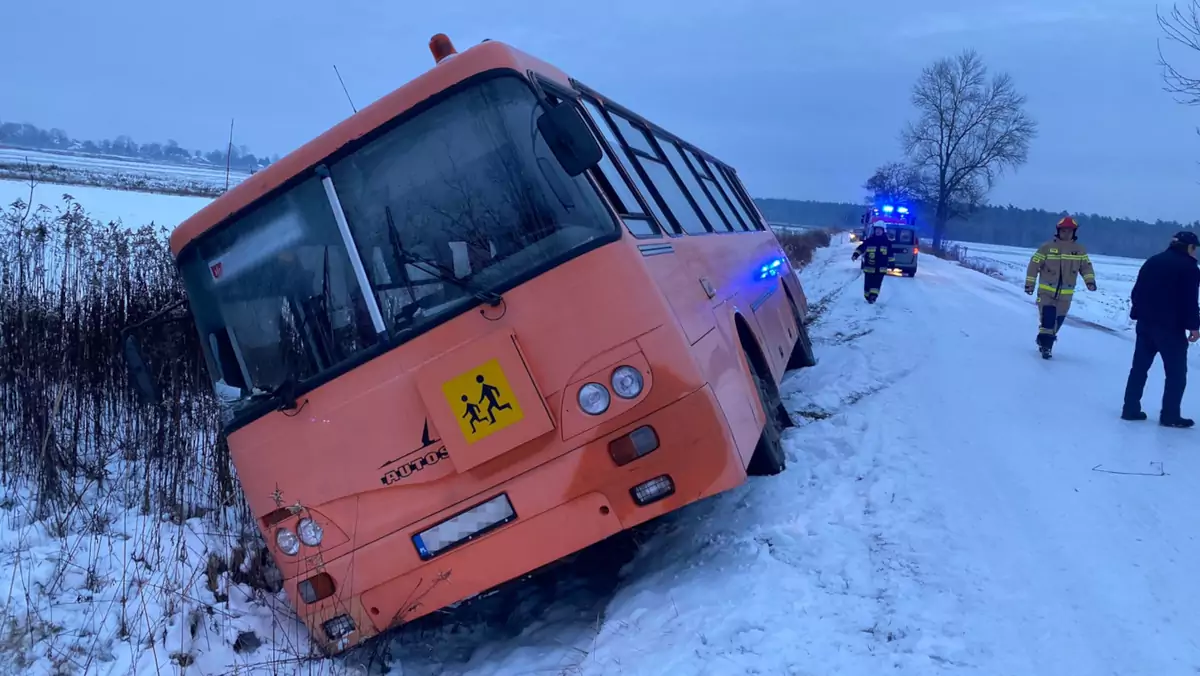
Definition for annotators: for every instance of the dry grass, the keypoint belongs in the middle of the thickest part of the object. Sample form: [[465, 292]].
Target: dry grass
[[799, 245], [123, 531]]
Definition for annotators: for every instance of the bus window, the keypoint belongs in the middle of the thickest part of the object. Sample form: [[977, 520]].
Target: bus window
[[738, 199], [471, 169], [618, 190], [275, 296], [614, 144], [723, 201], [676, 202], [675, 157]]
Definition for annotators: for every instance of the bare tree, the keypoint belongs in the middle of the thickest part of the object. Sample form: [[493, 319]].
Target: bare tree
[[1181, 26], [894, 182], [969, 130]]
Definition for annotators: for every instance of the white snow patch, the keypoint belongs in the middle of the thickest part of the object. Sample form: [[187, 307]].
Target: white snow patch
[[132, 209]]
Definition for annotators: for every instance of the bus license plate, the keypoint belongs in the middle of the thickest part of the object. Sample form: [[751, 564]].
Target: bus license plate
[[464, 526]]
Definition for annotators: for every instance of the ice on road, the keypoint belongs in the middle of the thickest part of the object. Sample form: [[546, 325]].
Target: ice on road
[[954, 504]]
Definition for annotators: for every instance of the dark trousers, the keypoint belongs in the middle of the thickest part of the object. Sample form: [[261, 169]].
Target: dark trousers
[[872, 283], [1053, 312], [1171, 344]]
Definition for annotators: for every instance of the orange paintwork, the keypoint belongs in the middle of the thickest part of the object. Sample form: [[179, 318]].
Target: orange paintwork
[[353, 459]]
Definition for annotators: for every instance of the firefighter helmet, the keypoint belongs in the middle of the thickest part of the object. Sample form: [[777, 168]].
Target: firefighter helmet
[[1068, 223]]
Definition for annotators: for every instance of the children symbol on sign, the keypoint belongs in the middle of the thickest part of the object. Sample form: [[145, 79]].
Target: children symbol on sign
[[491, 393], [473, 412]]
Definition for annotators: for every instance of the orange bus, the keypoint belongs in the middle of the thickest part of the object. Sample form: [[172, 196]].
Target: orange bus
[[480, 325]]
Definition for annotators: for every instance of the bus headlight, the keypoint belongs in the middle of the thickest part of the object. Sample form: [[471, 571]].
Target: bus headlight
[[310, 533], [288, 542], [594, 398], [627, 382]]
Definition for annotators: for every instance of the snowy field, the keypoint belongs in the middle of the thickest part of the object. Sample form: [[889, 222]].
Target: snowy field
[[19, 158], [133, 209], [1108, 306], [939, 515]]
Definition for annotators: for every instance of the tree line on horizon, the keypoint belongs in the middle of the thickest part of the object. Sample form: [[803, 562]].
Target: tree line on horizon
[[991, 224], [31, 137]]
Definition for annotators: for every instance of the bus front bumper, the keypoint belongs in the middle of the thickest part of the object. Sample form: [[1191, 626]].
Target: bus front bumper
[[696, 451]]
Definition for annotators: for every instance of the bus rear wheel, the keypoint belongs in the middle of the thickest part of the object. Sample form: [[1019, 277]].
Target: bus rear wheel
[[802, 355], [769, 457]]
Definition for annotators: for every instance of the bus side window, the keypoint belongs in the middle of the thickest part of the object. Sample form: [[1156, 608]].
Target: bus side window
[[616, 187], [736, 195], [724, 201], [674, 199], [692, 184]]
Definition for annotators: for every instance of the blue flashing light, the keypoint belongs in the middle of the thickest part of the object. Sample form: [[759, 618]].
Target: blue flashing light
[[888, 209], [903, 210], [770, 269]]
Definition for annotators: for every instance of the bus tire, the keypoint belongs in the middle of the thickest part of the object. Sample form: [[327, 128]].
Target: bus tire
[[802, 352], [802, 355], [769, 457]]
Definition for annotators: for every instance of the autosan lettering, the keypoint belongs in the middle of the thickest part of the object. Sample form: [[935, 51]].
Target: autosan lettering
[[413, 466]]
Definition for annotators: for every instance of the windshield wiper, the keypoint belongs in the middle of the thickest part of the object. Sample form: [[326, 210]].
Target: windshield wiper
[[438, 270], [284, 394]]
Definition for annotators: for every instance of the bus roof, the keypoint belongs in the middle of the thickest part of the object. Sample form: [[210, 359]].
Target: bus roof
[[485, 56]]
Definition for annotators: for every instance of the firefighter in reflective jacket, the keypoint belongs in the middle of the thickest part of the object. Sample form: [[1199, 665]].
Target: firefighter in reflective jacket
[[877, 259], [1053, 270]]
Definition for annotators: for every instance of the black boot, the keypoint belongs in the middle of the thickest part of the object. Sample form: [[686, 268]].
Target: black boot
[[1179, 422], [1045, 343], [1133, 415]]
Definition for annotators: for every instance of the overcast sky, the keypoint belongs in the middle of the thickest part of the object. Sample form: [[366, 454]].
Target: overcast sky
[[804, 98]]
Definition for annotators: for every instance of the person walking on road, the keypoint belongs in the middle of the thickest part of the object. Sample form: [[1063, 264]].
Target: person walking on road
[[1057, 263], [1166, 307], [876, 252]]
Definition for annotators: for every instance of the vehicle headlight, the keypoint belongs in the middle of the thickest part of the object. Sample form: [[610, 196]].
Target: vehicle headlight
[[627, 382], [594, 398], [287, 541], [310, 533]]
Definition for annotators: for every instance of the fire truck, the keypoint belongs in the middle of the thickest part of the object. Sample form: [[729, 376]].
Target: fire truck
[[900, 224]]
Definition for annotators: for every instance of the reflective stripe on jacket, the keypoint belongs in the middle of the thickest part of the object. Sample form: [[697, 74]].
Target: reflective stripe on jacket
[[1058, 263], [876, 253]]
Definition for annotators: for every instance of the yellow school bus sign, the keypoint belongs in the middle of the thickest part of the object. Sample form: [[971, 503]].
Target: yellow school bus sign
[[483, 401]]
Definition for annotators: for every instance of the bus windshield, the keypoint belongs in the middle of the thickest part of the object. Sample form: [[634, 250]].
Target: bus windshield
[[460, 200]]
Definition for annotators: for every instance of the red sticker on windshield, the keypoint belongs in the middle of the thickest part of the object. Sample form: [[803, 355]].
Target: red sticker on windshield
[[216, 269]]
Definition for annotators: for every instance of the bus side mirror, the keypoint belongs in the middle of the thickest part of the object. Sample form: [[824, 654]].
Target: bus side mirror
[[569, 138], [139, 373]]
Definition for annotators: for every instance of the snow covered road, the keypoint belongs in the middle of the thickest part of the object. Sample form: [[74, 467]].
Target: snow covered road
[[1059, 568], [953, 504], [949, 508]]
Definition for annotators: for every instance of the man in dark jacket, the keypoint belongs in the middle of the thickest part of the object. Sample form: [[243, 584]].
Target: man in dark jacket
[[876, 252], [1166, 304]]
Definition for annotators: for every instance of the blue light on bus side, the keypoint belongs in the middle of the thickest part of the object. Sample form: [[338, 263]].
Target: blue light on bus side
[[770, 269], [888, 209]]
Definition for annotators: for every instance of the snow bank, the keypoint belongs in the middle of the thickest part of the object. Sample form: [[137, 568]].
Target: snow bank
[[105, 589]]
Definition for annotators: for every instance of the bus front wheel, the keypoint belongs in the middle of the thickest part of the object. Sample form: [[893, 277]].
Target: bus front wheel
[[769, 457]]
